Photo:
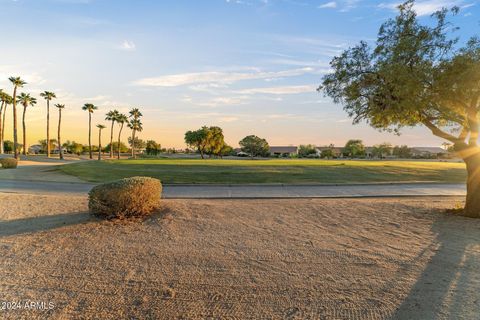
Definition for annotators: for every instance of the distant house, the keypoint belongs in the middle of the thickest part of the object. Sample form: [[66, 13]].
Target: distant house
[[428, 152], [35, 149], [283, 151]]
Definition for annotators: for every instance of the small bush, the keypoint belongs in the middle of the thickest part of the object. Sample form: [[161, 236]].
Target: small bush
[[125, 198], [8, 163]]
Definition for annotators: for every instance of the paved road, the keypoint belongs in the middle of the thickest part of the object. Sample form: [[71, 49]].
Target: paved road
[[252, 191]]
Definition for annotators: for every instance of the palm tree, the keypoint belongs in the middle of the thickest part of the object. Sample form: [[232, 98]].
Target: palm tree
[[26, 100], [17, 83], [90, 108], [135, 125], [47, 95], [60, 108], [6, 99], [3, 100], [121, 120], [112, 116], [100, 128]]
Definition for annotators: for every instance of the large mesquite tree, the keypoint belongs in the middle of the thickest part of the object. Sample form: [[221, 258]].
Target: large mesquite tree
[[416, 75]]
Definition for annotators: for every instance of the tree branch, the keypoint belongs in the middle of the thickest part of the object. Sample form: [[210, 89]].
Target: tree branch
[[463, 133], [439, 133]]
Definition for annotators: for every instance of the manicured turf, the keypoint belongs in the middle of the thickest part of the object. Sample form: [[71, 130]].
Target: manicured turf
[[269, 171]]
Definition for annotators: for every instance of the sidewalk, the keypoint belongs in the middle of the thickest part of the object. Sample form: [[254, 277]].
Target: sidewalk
[[252, 191]]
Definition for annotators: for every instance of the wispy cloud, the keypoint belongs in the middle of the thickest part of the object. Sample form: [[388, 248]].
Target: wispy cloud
[[280, 90], [31, 77], [128, 45], [228, 119], [223, 101], [328, 5], [427, 7], [217, 77]]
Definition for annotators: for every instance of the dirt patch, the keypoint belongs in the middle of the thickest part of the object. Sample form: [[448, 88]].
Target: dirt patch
[[248, 259]]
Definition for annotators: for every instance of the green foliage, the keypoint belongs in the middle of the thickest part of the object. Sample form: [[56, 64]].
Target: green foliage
[[47, 95], [153, 148], [226, 150], [327, 153], [73, 147], [305, 151], [206, 140], [139, 143], [415, 74], [8, 163], [25, 99], [43, 143], [125, 198], [197, 139], [123, 147], [215, 141], [135, 125], [89, 107], [255, 146], [382, 150], [402, 152], [8, 146], [112, 115], [354, 148]]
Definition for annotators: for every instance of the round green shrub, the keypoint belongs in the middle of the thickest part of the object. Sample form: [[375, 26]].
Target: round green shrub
[[8, 163], [125, 198]]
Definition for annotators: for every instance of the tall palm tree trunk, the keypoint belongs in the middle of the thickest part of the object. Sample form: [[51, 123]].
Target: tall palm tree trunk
[[48, 129], [100, 144], [90, 135], [60, 149], [2, 134], [15, 137], [111, 140], [24, 131], [1, 126], [133, 144], [118, 145]]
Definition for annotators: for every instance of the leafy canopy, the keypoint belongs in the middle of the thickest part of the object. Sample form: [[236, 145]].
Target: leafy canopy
[[414, 74], [89, 107], [26, 99], [354, 148], [255, 146], [209, 140]]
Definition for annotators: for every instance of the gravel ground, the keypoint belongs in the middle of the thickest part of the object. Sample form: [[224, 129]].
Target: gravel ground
[[246, 259]]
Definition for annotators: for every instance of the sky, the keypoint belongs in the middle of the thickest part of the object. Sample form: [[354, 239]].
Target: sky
[[248, 66]]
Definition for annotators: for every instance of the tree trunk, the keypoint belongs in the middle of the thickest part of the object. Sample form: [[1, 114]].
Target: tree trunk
[[111, 140], [2, 134], [1, 126], [48, 129], [133, 144], [60, 149], [90, 135], [472, 204], [24, 132], [99, 144], [15, 137], [118, 146]]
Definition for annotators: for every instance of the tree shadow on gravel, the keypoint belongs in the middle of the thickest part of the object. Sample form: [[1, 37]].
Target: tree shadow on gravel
[[449, 286], [42, 223]]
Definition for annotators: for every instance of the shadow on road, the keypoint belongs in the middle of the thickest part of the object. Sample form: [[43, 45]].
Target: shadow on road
[[449, 286]]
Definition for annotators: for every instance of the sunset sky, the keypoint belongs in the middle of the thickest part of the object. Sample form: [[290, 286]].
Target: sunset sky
[[248, 66]]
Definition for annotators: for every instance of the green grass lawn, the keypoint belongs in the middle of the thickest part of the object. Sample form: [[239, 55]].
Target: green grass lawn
[[268, 171]]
